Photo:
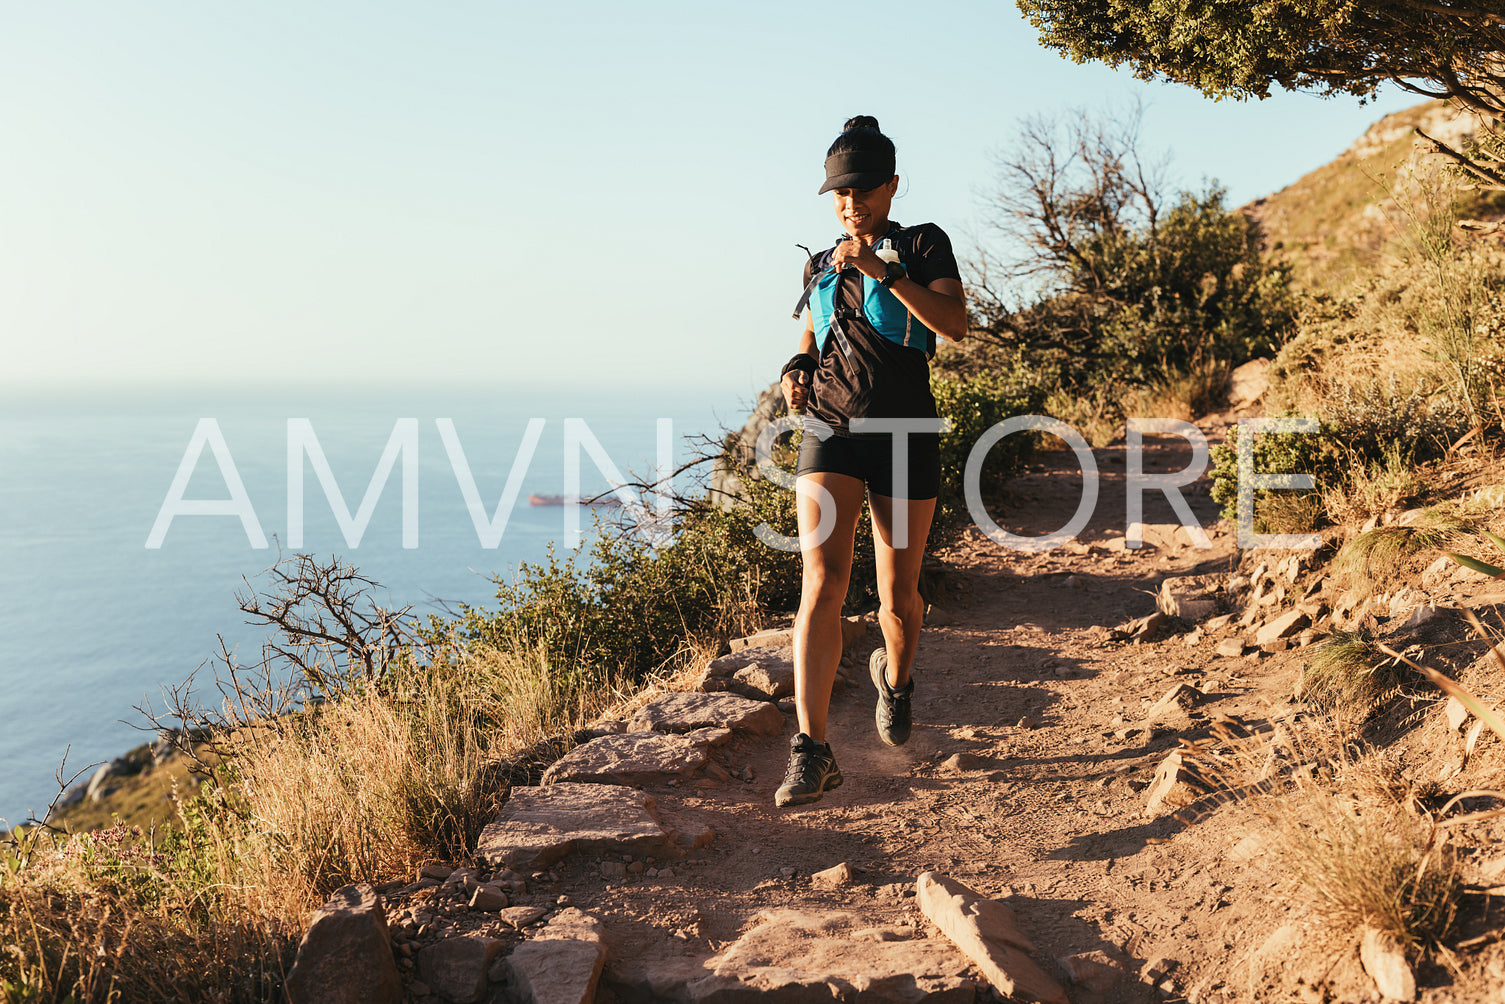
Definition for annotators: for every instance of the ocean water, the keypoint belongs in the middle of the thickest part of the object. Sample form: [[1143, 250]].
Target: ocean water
[[93, 621]]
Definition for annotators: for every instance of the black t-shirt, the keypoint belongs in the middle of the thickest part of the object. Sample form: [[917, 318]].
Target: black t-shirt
[[880, 379]]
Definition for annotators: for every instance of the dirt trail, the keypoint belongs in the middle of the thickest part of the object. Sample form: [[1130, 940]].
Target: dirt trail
[[1025, 778], [1023, 677]]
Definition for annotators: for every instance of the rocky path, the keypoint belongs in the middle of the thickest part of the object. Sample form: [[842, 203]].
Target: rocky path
[[1037, 777]]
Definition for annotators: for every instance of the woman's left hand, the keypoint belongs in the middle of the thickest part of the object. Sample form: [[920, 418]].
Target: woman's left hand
[[853, 253]]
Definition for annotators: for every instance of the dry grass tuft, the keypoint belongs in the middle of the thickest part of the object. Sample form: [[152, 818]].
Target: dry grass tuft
[[1378, 551], [116, 915], [1348, 676], [356, 776], [382, 780], [1182, 395], [1349, 832], [1095, 413], [1374, 487], [1367, 861], [1288, 512], [1098, 413]]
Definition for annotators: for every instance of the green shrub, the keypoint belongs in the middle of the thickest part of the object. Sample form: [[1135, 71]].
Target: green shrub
[[1364, 434], [1191, 286], [974, 404], [633, 608], [1141, 298], [1314, 453]]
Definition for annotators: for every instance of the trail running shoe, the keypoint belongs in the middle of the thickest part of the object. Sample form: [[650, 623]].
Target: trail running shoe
[[812, 771], [893, 705]]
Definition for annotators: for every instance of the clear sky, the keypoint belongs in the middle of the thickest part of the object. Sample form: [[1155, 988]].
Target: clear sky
[[557, 195]]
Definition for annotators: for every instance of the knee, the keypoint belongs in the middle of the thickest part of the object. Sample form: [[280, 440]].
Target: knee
[[821, 590]]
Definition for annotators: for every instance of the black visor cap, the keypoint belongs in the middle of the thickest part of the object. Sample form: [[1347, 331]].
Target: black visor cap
[[860, 169]]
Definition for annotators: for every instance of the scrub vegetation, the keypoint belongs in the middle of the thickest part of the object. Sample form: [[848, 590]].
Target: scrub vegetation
[[1400, 363], [1396, 338], [305, 775], [1115, 293]]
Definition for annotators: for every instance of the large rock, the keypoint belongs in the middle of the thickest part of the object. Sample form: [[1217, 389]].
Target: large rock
[[554, 972], [539, 826], [760, 673], [1385, 961], [1177, 783], [772, 679], [986, 932], [1190, 597], [1248, 383], [797, 957], [346, 955], [687, 712], [853, 632], [629, 758], [1181, 697], [727, 665], [561, 965], [1287, 624], [778, 638], [456, 967]]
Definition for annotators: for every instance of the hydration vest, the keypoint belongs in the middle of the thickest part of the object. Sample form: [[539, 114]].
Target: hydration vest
[[880, 308]]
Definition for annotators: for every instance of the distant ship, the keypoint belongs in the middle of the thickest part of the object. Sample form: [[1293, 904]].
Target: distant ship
[[605, 500]]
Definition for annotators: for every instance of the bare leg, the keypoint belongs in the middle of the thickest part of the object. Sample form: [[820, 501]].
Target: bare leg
[[827, 567], [901, 610]]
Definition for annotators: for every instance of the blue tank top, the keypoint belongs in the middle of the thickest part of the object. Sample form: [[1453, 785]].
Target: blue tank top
[[881, 309]]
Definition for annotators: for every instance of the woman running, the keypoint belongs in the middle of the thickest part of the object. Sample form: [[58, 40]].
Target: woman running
[[877, 299]]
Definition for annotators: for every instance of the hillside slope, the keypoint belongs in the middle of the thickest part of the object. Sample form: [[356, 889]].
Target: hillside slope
[[1337, 222]]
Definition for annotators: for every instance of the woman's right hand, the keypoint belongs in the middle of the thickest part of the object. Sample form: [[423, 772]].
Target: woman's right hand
[[796, 391]]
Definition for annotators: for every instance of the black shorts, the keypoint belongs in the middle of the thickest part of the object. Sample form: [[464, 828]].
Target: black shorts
[[870, 459]]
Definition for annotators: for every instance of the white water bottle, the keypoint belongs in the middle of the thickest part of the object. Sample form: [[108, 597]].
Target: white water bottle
[[886, 250]]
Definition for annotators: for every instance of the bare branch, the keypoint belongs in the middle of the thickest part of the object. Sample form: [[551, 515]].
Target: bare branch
[[1495, 179], [1416, 88]]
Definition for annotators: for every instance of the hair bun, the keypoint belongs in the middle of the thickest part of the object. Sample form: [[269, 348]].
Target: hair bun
[[861, 122]]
